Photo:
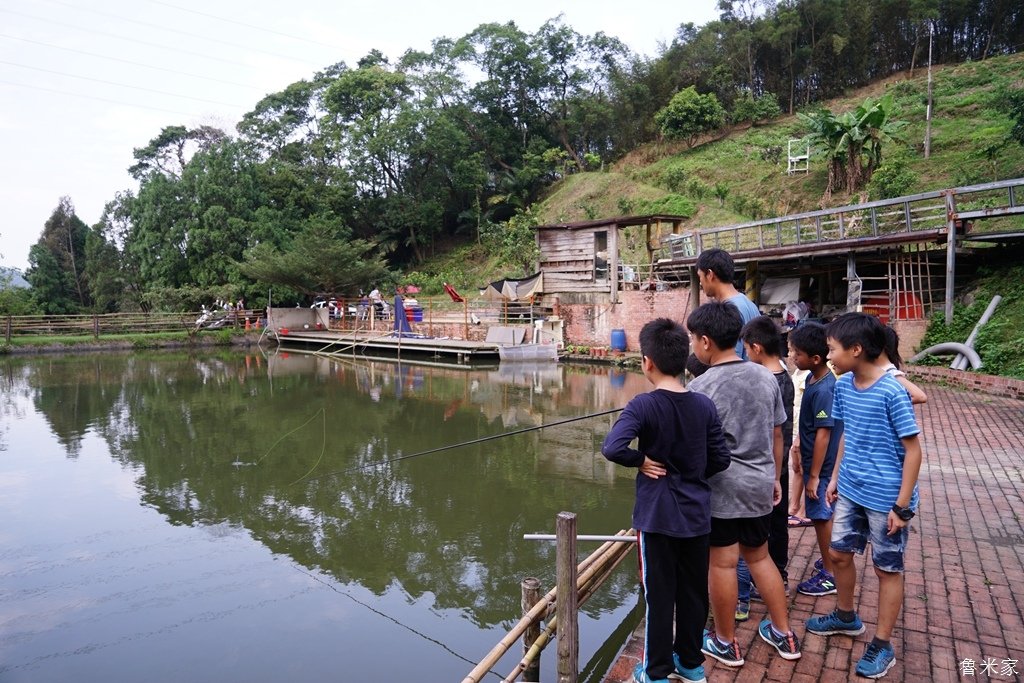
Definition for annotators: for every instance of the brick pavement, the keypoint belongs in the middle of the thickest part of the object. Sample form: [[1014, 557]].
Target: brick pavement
[[964, 594]]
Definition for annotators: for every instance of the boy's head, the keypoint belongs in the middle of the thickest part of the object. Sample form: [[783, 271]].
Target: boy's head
[[716, 324], [854, 339], [808, 346], [714, 269], [665, 343], [762, 339], [695, 366]]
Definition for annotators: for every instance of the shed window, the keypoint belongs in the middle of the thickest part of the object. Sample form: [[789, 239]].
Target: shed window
[[601, 255]]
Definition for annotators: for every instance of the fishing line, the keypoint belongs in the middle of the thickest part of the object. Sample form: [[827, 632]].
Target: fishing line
[[467, 443], [389, 617], [285, 436], [323, 449]]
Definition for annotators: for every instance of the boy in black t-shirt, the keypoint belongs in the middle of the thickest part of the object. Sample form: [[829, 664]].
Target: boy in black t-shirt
[[681, 445]]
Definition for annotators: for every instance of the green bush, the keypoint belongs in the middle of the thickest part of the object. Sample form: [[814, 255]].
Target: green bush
[[671, 204], [892, 179], [673, 177], [697, 188]]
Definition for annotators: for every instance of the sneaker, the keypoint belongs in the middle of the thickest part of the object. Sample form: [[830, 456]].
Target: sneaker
[[694, 675], [819, 565], [742, 611], [756, 594], [640, 675], [876, 661], [787, 645], [821, 583], [726, 654], [831, 624]]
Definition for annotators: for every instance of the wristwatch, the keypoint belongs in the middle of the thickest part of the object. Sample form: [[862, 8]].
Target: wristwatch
[[906, 514]]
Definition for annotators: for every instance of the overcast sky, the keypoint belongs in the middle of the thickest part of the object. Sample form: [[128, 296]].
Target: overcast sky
[[84, 82]]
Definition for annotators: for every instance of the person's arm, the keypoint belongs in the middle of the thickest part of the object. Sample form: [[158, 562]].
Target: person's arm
[[917, 394], [911, 469], [719, 457], [832, 491], [794, 456], [616, 445], [821, 439], [777, 452]]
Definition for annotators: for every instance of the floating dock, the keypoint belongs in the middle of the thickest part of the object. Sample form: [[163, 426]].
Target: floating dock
[[340, 342]]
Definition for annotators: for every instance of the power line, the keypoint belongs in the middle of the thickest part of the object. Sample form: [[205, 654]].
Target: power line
[[170, 30], [98, 99], [242, 23], [129, 61], [147, 43], [120, 85]]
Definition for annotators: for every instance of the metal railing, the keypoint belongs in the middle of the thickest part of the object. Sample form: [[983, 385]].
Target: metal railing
[[924, 214]]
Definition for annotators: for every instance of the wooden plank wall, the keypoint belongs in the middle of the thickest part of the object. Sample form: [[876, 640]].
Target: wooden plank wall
[[567, 259]]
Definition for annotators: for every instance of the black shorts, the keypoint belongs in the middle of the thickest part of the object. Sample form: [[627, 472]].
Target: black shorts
[[751, 532]]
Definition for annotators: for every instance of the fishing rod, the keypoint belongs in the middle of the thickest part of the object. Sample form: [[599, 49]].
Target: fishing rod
[[449, 447]]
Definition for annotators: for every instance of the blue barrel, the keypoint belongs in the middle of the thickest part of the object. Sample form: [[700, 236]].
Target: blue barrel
[[618, 340]]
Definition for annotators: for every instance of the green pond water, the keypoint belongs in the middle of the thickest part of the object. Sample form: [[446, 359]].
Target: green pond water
[[182, 517]]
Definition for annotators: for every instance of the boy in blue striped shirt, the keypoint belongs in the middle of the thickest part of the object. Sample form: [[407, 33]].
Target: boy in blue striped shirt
[[874, 483]]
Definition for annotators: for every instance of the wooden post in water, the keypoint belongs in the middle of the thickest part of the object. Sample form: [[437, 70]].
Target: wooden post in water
[[465, 318], [568, 624], [531, 595], [430, 317]]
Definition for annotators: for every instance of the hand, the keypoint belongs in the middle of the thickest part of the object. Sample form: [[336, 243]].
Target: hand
[[652, 468], [795, 464], [811, 488], [895, 523], [832, 492], [776, 493]]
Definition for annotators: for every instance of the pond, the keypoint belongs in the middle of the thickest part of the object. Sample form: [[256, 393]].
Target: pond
[[225, 517]]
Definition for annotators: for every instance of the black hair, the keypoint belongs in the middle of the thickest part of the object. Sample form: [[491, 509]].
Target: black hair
[[719, 262], [811, 339], [763, 330], [859, 328], [695, 366], [666, 343], [892, 346], [719, 321]]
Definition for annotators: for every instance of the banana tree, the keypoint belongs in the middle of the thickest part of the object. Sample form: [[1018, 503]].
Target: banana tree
[[852, 141]]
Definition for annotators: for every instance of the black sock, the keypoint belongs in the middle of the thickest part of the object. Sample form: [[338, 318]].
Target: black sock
[[846, 615], [881, 644]]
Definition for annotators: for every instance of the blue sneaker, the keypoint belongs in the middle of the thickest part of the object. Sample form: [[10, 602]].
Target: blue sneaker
[[727, 654], [822, 583], [694, 675], [831, 624], [876, 661], [640, 675], [787, 645], [819, 565]]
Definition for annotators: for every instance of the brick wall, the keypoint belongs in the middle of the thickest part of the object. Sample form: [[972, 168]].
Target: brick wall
[[971, 381], [590, 318]]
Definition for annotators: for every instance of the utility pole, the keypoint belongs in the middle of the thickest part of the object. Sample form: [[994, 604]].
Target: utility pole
[[928, 115]]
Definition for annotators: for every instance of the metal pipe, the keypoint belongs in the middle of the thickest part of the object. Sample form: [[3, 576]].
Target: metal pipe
[[960, 362]]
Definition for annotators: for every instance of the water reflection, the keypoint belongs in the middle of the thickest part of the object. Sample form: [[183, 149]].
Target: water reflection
[[288, 449]]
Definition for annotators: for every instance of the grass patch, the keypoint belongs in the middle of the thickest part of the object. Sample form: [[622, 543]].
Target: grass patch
[[150, 340]]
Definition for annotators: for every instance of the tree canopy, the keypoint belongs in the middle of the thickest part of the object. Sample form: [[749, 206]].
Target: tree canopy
[[392, 158]]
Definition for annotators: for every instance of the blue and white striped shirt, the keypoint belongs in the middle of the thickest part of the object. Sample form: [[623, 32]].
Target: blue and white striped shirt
[[874, 421]]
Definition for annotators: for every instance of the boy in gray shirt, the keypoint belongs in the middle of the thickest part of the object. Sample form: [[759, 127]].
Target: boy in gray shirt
[[750, 406]]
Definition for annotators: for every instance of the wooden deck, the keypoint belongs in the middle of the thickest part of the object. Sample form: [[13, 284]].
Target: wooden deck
[[339, 342]]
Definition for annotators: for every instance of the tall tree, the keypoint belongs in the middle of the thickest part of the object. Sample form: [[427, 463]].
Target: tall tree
[[57, 262]]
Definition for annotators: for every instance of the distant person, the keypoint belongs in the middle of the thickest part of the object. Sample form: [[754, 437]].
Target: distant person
[[680, 446], [716, 272], [873, 487], [816, 446], [890, 361], [763, 343], [750, 406]]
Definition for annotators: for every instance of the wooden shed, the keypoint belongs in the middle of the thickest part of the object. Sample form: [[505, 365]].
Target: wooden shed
[[587, 256]]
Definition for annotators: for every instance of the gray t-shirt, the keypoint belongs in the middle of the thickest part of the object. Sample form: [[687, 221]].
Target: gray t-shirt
[[749, 404]]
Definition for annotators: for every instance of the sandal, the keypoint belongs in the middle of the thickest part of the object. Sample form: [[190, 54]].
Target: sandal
[[795, 521]]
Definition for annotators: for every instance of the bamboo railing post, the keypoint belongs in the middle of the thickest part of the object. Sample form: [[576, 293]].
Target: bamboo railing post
[[531, 596], [95, 326], [465, 318], [7, 329], [430, 317], [568, 623]]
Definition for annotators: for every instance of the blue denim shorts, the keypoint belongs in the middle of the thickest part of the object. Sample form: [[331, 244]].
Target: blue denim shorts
[[817, 510], [854, 525]]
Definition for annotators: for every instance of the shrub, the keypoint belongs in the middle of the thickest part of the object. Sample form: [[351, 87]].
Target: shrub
[[892, 179], [688, 114], [673, 177]]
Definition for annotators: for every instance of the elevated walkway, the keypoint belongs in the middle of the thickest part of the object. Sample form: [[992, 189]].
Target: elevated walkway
[[920, 218]]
